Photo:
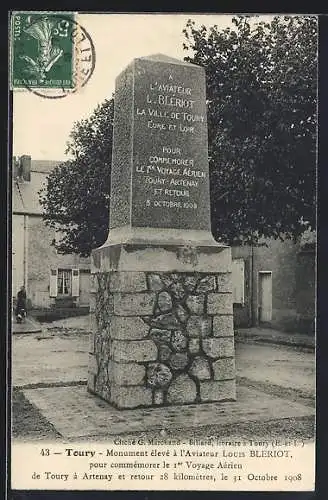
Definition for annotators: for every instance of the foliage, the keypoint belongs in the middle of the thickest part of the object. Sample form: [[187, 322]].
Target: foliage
[[261, 87], [75, 199]]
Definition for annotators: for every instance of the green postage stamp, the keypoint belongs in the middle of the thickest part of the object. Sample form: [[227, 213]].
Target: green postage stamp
[[42, 50]]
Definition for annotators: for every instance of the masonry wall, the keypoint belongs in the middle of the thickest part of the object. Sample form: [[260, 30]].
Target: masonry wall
[[42, 256], [306, 288], [281, 258], [18, 267], [85, 277]]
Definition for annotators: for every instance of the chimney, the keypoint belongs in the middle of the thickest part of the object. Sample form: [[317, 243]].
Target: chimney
[[25, 167], [15, 170]]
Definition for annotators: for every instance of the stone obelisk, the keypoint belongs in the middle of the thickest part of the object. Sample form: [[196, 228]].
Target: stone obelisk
[[162, 301]]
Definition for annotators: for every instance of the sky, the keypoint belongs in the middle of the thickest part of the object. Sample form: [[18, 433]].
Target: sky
[[41, 126]]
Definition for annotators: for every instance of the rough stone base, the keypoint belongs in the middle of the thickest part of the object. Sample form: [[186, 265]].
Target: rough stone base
[[162, 338]]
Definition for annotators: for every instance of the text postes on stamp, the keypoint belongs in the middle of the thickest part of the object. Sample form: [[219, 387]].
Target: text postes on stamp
[[42, 50], [51, 54]]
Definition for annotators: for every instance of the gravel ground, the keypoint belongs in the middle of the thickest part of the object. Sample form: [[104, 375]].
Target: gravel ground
[[296, 395], [29, 425], [291, 369], [28, 422], [271, 336], [77, 322], [291, 428]]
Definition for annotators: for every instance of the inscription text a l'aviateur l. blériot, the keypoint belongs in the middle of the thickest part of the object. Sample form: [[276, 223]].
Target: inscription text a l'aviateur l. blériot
[[170, 88]]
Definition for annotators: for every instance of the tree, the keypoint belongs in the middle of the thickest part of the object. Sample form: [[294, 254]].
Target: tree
[[261, 80], [75, 199]]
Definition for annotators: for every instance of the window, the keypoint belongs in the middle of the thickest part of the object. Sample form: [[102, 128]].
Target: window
[[238, 281], [64, 282]]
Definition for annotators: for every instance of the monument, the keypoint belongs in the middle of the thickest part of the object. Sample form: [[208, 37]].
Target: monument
[[161, 295]]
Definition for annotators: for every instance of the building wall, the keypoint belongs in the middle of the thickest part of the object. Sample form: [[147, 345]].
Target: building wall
[[280, 258], [42, 257], [17, 253], [33, 255], [85, 283], [306, 288], [243, 312], [290, 270]]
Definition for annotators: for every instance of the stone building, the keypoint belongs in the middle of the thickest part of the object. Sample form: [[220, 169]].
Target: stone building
[[51, 279], [274, 284]]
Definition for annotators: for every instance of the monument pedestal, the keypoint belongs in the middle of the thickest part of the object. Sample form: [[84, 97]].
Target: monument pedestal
[[163, 325]]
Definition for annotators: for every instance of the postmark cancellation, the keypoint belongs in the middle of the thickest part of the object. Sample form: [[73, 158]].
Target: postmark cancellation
[[49, 50]]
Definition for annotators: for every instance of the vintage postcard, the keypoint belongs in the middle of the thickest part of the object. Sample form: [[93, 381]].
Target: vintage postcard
[[163, 251]]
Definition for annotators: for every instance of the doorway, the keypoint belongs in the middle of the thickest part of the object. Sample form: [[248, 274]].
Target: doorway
[[265, 296]]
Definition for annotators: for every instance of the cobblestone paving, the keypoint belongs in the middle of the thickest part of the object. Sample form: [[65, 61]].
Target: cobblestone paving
[[75, 413]]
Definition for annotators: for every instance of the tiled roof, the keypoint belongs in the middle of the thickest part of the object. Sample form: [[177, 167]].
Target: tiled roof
[[44, 166], [25, 197], [25, 194]]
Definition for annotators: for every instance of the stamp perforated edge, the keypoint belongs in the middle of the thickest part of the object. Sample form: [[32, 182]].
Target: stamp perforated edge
[[78, 82]]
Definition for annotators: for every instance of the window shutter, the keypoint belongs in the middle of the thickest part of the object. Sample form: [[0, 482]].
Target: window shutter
[[53, 283], [75, 282], [238, 281]]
